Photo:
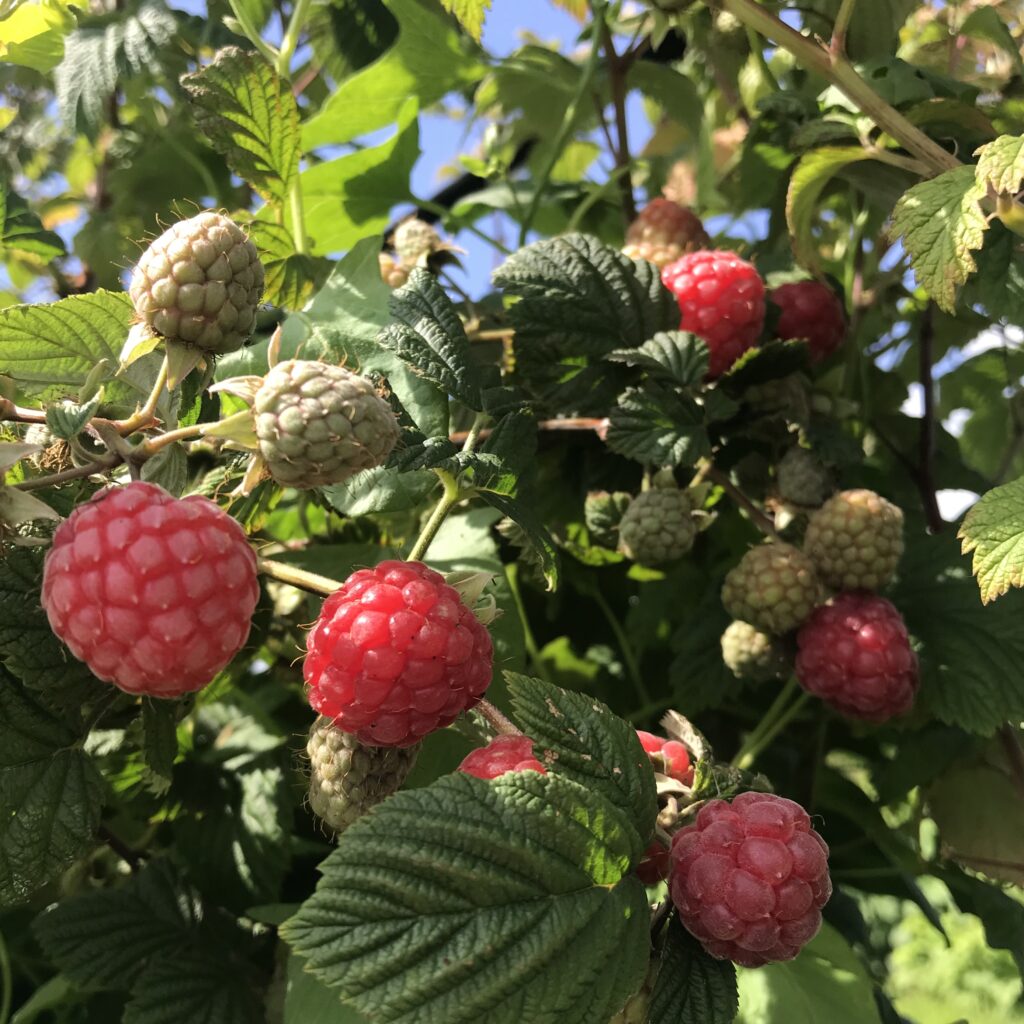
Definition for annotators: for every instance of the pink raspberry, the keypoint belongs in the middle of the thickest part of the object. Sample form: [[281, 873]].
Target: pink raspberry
[[502, 754], [663, 231], [153, 593], [812, 311], [854, 653], [721, 298], [396, 654], [668, 756], [749, 878]]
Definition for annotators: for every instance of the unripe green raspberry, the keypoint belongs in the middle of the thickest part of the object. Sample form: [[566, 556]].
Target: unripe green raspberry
[[787, 395], [200, 283], [856, 539], [774, 588], [319, 424], [347, 777], [394, 274], [750, 654], [602, 513], [803, 478], [635, 1010], [657, 527], [414, 239]]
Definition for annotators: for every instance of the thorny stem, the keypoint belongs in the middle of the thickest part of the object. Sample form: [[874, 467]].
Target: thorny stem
[[500, 723], [564, 130], [625, 647], [449, 500], [759, 519], [836, 69], [311, 581]]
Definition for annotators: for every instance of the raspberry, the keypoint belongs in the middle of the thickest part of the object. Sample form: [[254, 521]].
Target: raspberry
[[855, 540], [413, 240], [657, 527], [812, 311], [347, 777], [396, 654], [774, 588], [749, 878], [654, 866], [663, 231], [199, 283], [635, 1010], [854, 653], [750, 654], [153, 593], [394, 274], [503, 754], [669, 757], [319, 424], [721, 298], [803, 478]]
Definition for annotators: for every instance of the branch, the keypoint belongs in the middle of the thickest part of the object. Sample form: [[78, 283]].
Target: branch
[[101, 465], [623, 160], [759, 519], [926, 446]]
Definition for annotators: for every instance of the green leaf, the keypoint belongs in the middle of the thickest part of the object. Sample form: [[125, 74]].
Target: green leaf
[[105, 939], [309, 1001], [671, 355], [50, 795], [249, 114], [513, 439], [49, 348], [383, 489], [509, 899], [582, 739], [346, 35], [21, 231], [524, 514], [999, 912], [430, 338], [341, 326], [772, 361], [672, 91], [692, 987], [874, 24], [160, 738], [291, 277], [578, 296], [658, 427], [428, 60], [811, 176], [698, 676], [32, 35], [941, 223], [825, 979], [985, 23], [994, 530], [971, 656], [68, 420], [1001, 162], [470, 14], [104, 52]]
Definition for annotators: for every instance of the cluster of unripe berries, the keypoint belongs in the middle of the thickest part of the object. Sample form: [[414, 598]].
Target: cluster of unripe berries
[[852, 647], [414, 241], [722, 298]]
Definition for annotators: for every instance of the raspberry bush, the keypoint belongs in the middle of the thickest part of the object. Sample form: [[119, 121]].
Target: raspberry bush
[[548, 597]]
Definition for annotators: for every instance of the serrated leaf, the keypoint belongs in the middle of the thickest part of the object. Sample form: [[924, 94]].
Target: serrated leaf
[[21, 231], [32, 35], [430, 453], [971, 656], [470, 14], [658, 427], [811, 177], [513, 439], [510, 899], [941, 223], [430, 339], [578, 296], [249, 114], [994, 530], [291, 277], [50, 795], [384, 489], [772, 361], [105, 939], [692, 987], [1001, 163], [67, 420], [579, 737], [49, 348], [672, 355], [427, 60], [999, 912], [103, 52], [160, 738], [169, 469], [525, 516]]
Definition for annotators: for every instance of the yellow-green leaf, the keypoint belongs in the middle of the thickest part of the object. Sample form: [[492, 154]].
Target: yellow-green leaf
[[994, 530], [471, 14], [1001, 164]]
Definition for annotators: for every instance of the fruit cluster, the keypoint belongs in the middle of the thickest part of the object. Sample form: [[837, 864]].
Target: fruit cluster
[[413, 242]]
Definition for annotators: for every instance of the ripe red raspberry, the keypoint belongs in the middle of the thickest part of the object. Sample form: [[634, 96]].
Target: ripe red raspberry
[[721, 298], [153, 593], [502, 754], [749, 878], [395, 655], [812, 311], [669, 757], [854, 653], [655, 865]]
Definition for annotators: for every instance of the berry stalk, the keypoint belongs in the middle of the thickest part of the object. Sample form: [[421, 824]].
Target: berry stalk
[[297, 577], [448, 501]]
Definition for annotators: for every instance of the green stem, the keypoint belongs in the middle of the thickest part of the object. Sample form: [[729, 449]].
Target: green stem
[[838, 45], [566, 127], [626, 647], [474, 431], [529, 640], [6, 982], [768, 737], [239, 10], [773, 712], [451, 497], [143, 416], [297, 577], [290, 42], [298, 214], [836, 69]]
